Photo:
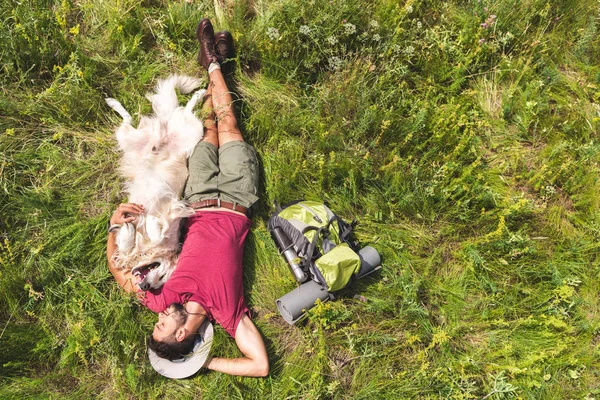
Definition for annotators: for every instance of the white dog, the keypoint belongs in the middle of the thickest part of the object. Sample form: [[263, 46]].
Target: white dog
[[154, 165]]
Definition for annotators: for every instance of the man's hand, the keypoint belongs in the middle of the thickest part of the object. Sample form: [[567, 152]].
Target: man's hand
[[126, 212]]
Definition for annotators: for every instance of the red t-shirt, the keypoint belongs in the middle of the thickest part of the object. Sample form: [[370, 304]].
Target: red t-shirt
[[209, 270]]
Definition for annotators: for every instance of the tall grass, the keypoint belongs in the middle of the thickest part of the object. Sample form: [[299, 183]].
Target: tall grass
[[462, 135]]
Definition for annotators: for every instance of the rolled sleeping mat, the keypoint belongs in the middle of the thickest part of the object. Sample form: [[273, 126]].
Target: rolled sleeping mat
[[370, 261], [293, 305]]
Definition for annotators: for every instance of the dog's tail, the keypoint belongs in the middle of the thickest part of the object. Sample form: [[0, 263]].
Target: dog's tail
[[165, 101]]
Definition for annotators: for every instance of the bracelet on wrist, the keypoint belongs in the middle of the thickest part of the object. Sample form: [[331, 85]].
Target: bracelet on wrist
[[113, 227]]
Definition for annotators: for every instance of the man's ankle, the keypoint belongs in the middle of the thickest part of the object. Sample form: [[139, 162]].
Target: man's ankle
[[213, 67]]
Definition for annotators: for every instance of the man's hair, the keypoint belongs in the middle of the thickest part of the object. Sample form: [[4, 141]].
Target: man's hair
[[170, 348]]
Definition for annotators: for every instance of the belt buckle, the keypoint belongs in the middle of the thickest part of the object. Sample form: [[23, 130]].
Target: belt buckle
[[218, 202]]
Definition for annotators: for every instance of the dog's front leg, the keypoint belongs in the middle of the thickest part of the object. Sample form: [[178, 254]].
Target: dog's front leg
[[118, 107]]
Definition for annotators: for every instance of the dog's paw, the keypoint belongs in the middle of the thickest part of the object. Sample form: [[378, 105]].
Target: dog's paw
[[196, 97], [199, 94]]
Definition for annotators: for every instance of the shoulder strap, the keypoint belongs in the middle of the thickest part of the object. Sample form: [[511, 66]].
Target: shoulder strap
[[346, 230], [313, 244]]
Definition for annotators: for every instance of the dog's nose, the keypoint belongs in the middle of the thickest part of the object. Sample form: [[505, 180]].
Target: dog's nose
[[144, 286]]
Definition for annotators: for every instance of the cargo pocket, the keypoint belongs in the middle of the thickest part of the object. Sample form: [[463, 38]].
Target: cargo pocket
[[337, 266]]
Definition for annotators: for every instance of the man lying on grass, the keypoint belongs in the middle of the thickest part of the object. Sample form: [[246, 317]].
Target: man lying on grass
[[207, 284]]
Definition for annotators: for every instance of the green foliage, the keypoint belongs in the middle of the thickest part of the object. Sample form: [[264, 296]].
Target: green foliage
[[462, 135]]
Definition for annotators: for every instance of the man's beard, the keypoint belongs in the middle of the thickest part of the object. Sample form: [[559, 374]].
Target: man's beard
[[179, 314]]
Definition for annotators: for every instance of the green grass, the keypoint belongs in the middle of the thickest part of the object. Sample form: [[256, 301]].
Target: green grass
[[469, 153]]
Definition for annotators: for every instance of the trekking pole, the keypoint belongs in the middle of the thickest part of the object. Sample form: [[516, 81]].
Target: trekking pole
[[287, 250]]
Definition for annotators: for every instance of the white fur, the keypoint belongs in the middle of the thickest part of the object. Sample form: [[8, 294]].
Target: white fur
[[154, 165]]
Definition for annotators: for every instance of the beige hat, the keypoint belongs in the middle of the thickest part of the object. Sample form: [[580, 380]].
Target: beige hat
[[191, 363]]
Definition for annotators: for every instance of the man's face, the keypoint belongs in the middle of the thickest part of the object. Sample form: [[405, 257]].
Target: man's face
[[169, 321]]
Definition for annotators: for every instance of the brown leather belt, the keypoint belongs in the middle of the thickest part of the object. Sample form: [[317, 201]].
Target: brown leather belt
[[218, 203]]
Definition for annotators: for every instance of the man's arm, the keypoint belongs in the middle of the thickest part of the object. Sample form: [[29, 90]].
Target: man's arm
[[255, 361], [124, 213]]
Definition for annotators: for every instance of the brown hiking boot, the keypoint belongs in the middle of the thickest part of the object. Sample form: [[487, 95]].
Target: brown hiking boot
[[224, 45], [206, 36]]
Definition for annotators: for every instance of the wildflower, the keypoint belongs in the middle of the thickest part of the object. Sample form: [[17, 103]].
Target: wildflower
[[374, 24], [550, 190], [481, 41], [335, 63], [409, 9], [74, 30], [491, 20], [305, 30], [409, 50], [273, 33], [349, 29], [332, 40], [376, 37], [419, 24]]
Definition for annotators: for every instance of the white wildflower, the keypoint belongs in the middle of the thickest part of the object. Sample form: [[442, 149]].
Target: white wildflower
[[374, 24], [409, 9], [349, 29], [332, 40], [305, 30], [419, 24], [409, 50], [376, 37], [335, 63], [273, 33]]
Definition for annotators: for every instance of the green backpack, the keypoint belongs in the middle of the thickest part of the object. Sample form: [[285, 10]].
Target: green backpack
[[317, 244]]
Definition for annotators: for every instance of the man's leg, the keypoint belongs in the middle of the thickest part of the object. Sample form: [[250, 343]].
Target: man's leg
[[237, 161], [210, 123], [222, 101], [203, 165]]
